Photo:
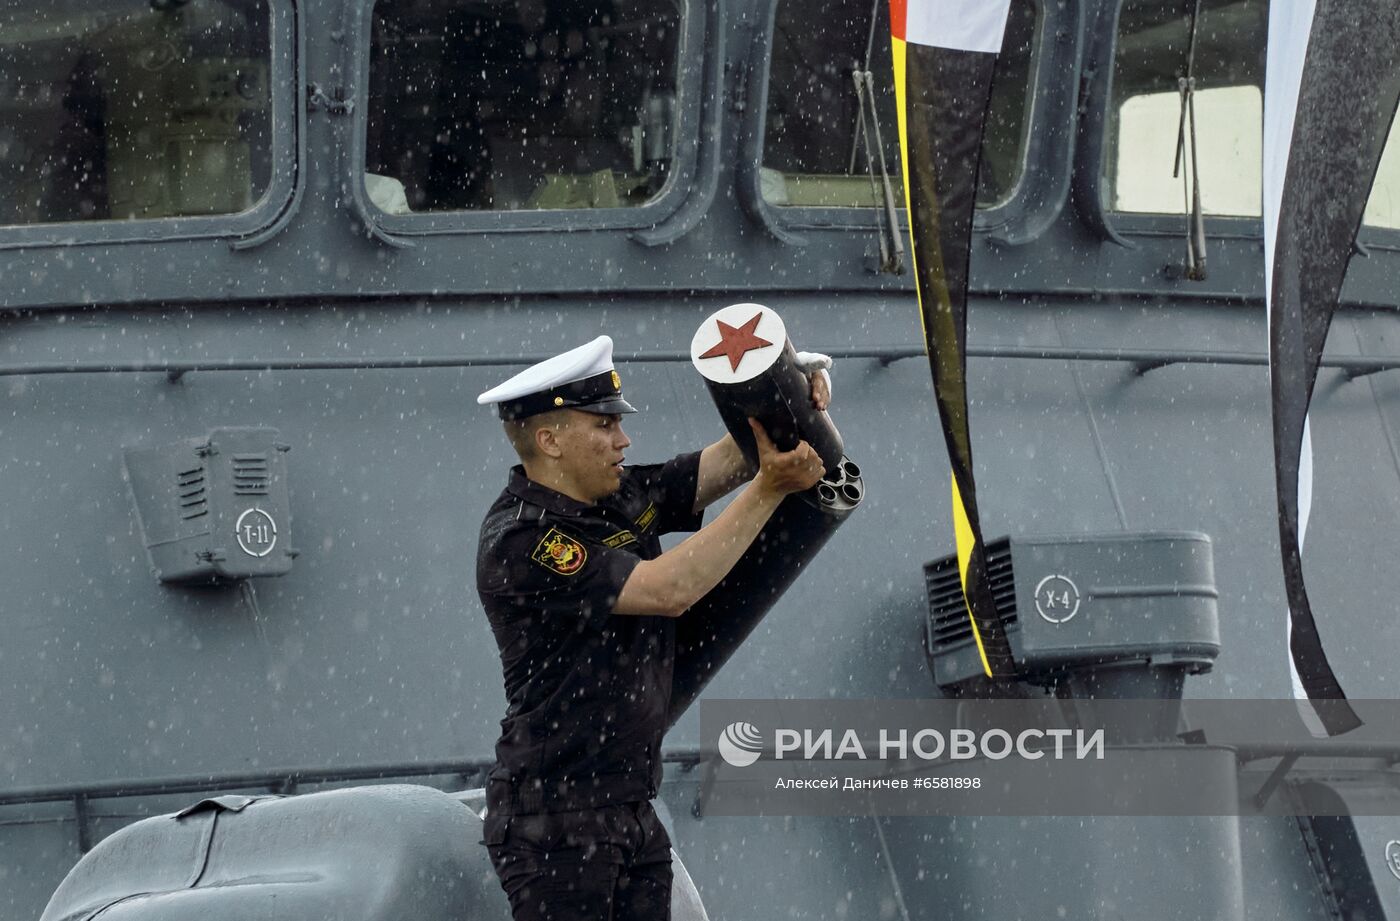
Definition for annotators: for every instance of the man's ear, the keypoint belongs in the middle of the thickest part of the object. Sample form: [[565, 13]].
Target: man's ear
[[547, 441]]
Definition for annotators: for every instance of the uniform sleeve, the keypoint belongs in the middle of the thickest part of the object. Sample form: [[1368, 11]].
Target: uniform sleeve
[[555, 573], [671, 488]]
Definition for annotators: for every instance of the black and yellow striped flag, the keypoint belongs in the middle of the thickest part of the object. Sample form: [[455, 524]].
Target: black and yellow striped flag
[[944, 54], [1333, 84]]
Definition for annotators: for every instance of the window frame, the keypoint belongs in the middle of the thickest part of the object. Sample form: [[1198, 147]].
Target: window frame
[[1053, 49], [1379, 236], [285, 82], [691, 59], [1124, 226], [1119, 226], [1160, 238]]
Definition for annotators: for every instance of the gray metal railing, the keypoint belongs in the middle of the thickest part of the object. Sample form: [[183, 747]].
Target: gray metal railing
[[1142, 360]]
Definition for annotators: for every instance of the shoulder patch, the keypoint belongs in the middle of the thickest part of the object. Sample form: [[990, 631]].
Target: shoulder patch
[[645, 519], [559, 552]]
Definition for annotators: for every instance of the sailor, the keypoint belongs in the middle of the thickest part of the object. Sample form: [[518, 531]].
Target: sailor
[[581, 600]]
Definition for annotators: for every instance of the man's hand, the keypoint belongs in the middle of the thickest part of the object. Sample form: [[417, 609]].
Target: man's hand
[[723, 468], [784, 472], [821, 389], [815, 365]]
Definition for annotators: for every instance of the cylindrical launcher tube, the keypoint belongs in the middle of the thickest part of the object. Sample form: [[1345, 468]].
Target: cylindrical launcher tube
[[750, 366], [773, 390]]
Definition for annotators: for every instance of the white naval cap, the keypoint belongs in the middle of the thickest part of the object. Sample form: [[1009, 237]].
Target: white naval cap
[[581, 378]]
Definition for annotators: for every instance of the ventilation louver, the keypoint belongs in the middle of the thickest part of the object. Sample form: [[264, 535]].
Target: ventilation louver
[[250, 474], [948, 618], [194, 497], [214, 508]]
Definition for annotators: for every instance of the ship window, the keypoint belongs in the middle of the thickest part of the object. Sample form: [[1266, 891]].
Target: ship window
[[813, 153], [133, 109], [1141, 143], [521, 105], [1383, 208]]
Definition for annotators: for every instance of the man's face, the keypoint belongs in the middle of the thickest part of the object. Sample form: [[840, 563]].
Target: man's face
[[592, 452]]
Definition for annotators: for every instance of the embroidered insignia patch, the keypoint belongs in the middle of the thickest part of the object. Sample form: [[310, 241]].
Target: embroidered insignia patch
[[645, 519], [620, 539], [561, 553]]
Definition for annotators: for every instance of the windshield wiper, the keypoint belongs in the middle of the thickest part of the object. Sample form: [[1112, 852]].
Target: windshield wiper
[[1191, 187], [891, 246]]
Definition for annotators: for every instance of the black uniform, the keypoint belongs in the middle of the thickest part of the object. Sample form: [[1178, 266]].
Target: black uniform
[[569, 828]]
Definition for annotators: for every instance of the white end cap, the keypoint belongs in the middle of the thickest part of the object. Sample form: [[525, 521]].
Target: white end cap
[[741, 342]]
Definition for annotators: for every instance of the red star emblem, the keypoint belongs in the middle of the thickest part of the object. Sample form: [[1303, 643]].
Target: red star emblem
[[737, 341]]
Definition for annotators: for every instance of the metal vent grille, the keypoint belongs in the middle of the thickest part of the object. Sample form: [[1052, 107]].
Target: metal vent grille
[[948, 622], [193, 493], [250, 475]]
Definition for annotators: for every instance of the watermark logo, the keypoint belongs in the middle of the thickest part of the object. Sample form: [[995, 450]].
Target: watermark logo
[[1033, 756], [740, 744]]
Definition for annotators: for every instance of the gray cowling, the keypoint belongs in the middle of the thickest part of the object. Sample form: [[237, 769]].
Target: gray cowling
[[387, 852], [1356, 852], [1103, 616], [363, 854], [215, 507]]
